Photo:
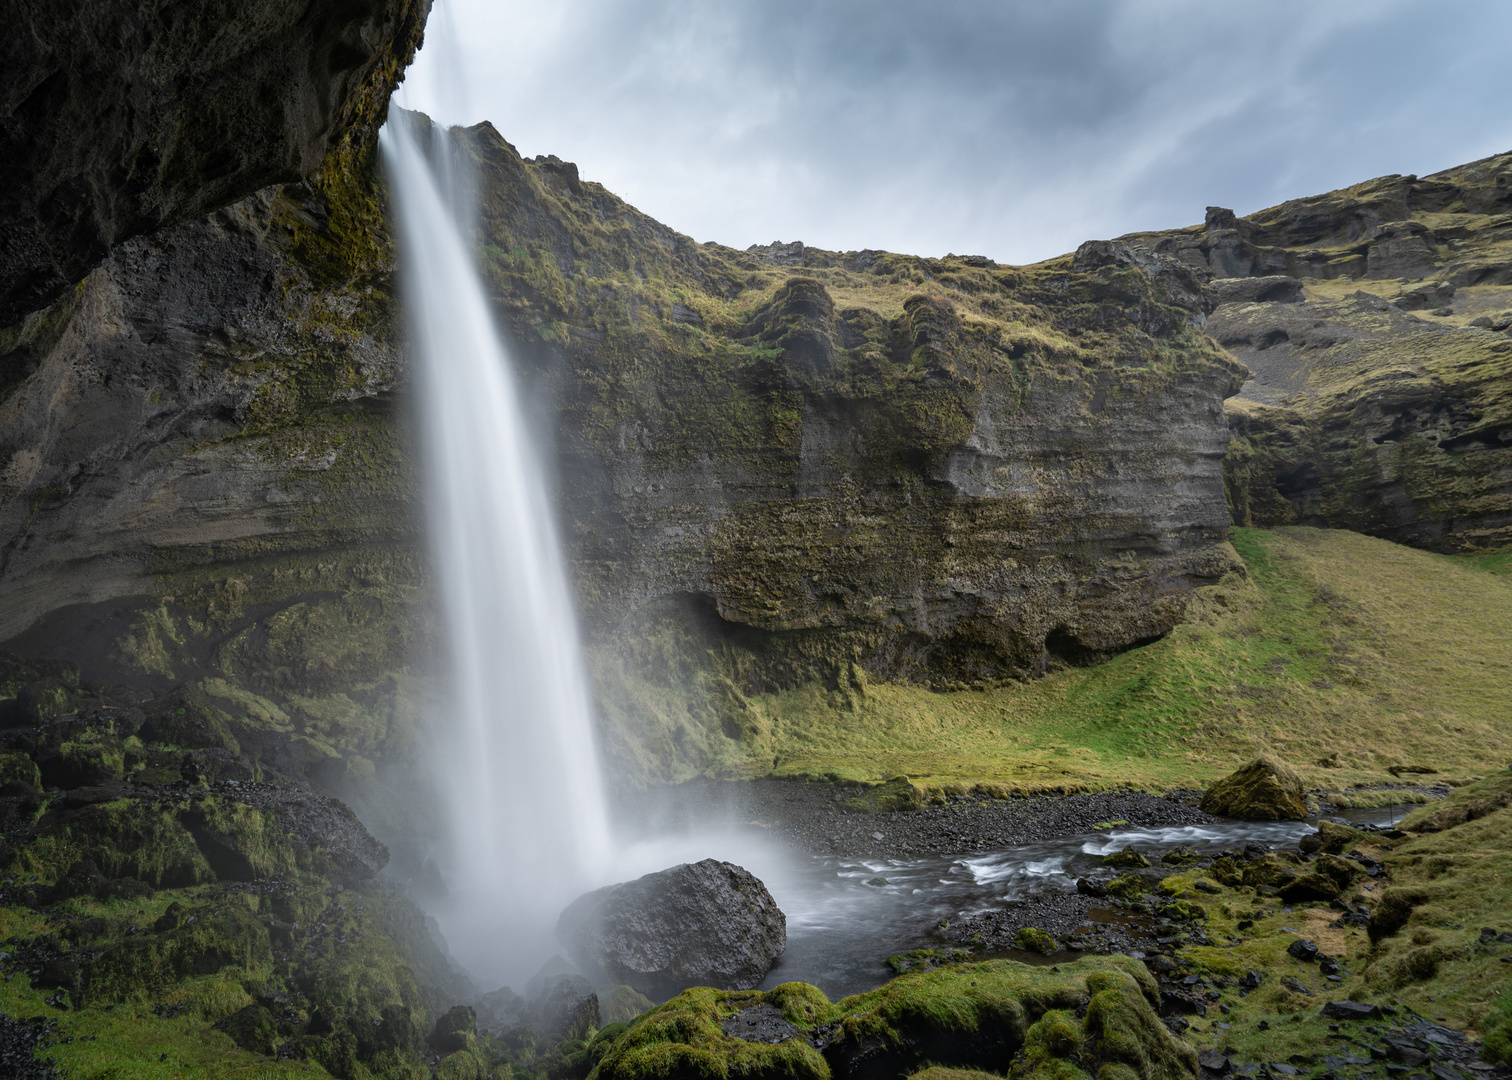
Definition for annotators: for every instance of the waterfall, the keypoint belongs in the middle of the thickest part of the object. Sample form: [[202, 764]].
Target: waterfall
[[517, 765]]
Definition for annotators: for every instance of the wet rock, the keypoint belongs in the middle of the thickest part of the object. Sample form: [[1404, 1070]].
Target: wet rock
[[709, 923], [1264, 790], [1179, 856], [123, 118], [760, 1023], [1088, 887]]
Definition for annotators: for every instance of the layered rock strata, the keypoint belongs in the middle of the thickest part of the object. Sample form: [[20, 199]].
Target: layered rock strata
[[817, 465], [1376, 322]]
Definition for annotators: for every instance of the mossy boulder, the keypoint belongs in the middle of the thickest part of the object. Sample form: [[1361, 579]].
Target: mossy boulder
[[965, 1017], [1127, 859], [1331, 838], [1033, 939], [1266, 789]]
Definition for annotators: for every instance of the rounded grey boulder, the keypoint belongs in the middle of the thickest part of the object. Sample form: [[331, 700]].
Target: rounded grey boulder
[[707, 923]]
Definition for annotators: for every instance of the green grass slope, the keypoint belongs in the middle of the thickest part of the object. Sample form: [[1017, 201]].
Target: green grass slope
[[1333, 643]]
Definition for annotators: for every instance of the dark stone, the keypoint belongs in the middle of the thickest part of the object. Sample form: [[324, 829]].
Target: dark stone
[[708, 923], [1404, 1053], [1351, 1010], [117, 119], [1303, 949], [759, 1023], [1179, 856], [1214, 1062], [1088, 887]]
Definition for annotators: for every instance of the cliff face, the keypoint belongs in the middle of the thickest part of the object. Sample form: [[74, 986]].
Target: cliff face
[[203, 480], [785, 464], [774, 466], [1376, 321], [118, 119], [941, 463]]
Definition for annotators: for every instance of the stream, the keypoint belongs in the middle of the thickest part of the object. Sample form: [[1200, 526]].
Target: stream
[[846, 916]]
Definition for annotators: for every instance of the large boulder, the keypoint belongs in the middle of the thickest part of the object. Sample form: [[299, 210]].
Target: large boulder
[[1264, 790], [707, 923]]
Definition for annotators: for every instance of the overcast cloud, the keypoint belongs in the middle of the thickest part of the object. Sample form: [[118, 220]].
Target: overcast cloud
[[1012, 129]]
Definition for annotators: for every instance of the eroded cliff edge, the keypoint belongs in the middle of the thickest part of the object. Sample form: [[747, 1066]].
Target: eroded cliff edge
[[1377, 322]]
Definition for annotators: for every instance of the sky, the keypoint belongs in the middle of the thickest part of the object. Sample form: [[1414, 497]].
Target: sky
[[1014, 129]]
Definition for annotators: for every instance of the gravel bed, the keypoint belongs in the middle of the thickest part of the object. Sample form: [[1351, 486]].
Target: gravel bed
[[810, 817]]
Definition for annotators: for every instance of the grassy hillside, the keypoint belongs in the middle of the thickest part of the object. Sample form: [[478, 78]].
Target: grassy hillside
[[1334, 643]]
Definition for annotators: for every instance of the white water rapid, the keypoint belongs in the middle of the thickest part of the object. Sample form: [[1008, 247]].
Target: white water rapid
[[518, 768]]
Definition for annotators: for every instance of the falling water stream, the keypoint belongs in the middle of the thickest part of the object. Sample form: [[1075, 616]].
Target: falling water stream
[[517, 766]]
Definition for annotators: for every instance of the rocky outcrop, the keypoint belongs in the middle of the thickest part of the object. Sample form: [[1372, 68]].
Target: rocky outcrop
[[1374, 321], [707, 923], [119, 119]]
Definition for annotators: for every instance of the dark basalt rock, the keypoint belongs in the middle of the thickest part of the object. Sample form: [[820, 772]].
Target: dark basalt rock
[[708, 923], [119, 118]]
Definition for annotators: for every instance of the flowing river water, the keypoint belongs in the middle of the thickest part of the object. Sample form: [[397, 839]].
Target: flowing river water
[[846, 916]]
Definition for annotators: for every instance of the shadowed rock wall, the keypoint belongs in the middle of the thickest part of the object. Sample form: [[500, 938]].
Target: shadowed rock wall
[[119, 118]]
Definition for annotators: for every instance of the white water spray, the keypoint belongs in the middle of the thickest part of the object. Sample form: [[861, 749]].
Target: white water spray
[[527, 826]]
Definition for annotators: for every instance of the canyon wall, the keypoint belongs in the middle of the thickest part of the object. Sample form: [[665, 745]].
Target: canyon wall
[[1377, 324]]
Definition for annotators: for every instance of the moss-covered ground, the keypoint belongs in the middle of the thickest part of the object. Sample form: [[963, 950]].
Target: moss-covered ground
[[1424, 951], [1333, 643]]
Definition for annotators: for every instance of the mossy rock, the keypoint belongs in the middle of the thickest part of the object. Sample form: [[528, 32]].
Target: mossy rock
[[899, 793], [21, 770], [1128, 858], [1264, 790], [1308, 889], [1331, 838], [1032, 939], [620, 1004], [189, 719], [957, 1020], [1128, 886], [1179, 856]]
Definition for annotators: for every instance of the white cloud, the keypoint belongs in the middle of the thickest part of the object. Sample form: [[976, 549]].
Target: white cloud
[[1014, 129]]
